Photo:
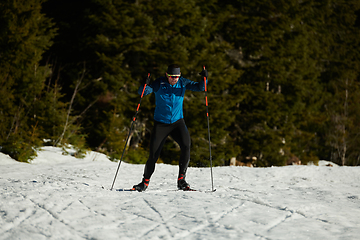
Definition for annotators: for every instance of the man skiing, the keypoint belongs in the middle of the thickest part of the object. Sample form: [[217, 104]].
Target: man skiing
[[169, 121]]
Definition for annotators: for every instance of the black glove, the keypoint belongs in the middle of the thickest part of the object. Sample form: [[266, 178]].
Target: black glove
[[147, 79], [204, 73]]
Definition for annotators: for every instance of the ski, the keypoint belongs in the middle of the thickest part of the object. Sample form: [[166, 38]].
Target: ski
[[170, 190], [133, 190], [188, 189], [126, 190], [196, 190]]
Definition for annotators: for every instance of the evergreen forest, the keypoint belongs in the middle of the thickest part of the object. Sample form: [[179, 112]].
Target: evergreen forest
[[283, 80]]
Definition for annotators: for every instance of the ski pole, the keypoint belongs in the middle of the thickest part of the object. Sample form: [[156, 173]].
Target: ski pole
[[208, 123], [132, 123]]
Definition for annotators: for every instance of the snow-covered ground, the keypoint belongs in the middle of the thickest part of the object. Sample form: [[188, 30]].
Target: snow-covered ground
[[61, 197]]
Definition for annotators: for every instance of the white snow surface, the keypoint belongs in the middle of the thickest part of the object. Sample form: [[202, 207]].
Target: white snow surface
[[61, 197]]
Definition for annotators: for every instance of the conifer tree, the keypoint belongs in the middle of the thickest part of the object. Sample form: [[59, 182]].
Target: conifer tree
[[101, 39], [25, 34], [342, 78], [279, 51]]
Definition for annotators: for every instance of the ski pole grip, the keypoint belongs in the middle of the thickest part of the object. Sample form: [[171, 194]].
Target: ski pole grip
[[147, 79], [205, 84]]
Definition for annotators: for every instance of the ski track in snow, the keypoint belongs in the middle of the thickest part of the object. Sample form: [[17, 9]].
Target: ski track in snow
[[60, 197]]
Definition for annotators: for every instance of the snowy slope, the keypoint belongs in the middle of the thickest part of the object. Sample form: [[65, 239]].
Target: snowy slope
[[61, 197]]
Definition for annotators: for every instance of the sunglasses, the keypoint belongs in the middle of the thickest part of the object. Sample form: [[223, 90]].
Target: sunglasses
[[172, 76]]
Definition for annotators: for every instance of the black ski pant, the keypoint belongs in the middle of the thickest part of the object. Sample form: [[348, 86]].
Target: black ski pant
[[179, 132]]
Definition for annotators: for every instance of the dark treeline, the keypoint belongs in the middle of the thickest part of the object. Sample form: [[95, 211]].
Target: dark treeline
[[283, 76]]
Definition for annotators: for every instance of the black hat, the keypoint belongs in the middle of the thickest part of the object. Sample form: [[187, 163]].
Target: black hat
[[173, 69]]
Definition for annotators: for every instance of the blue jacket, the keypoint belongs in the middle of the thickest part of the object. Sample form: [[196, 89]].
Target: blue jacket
[[169, 99]]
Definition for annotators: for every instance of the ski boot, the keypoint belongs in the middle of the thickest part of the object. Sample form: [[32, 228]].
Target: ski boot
[[141, 186], [182, 184]]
